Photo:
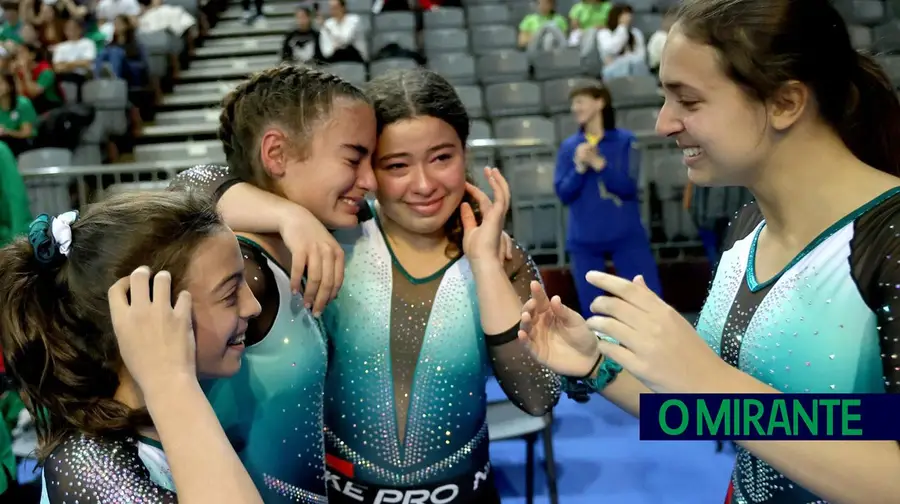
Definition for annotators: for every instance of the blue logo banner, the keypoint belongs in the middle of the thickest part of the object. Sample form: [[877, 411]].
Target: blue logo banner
[[774, 417]]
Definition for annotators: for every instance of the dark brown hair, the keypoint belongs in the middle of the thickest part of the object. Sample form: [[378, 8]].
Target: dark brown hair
[[55, 327], [612, 22], [765, 43], [405, 94], [295, 98], [597, 91]]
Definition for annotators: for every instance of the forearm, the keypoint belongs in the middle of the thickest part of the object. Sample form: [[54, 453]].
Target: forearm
[[269, 211], [498, 300], [196, 447], [841, 472]]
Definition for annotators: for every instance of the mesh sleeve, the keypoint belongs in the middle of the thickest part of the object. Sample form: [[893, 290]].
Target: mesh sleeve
[[100, 471], [531, 386], [210, 180]]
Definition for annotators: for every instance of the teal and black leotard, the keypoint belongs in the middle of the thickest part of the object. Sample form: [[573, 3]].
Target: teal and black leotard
[[271, 410], [826, 324], [405, 396]]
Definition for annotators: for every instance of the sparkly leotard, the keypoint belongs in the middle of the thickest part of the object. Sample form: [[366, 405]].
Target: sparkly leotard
[[90, 470], [271, 409], [405, 394], [825, 324]]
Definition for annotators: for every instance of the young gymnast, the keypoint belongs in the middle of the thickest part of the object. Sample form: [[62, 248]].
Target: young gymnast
[[805, 295], [107, 358]]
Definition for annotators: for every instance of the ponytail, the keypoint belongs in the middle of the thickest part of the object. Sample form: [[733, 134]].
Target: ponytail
[[871, 124], [67, 375]]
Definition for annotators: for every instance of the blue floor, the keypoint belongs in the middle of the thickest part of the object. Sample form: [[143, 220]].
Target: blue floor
[[600, 459]]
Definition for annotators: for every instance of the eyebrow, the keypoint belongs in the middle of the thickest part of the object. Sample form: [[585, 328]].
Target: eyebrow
[[431, 150], [360, 149], [236, 276], [677, 87]]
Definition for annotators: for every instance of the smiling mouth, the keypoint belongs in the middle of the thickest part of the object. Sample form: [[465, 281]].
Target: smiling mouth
[[237, 339]]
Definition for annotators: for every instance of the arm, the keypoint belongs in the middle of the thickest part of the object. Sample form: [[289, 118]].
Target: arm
[[612, 42], [525, 32], [501, 293], [196, 447], [621, 178], [567, 180]]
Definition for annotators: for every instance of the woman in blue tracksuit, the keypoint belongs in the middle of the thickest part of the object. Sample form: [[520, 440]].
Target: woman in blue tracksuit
[[596, 177]]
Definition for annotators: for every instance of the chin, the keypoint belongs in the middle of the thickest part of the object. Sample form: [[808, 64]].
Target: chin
[[339, 220]]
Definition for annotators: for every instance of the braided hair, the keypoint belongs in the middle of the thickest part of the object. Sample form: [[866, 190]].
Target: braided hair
[[292, 97]]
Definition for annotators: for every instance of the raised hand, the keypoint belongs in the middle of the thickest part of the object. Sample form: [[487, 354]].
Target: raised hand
[[156, 339], [482, 242], [556, 335]]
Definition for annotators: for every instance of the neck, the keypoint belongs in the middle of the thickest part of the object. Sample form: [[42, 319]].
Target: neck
[[834, 183], [594, 126], [130, 395], [6, 102], [404, 240]]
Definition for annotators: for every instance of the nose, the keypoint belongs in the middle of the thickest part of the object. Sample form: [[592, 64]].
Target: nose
[[365, 176], [249, 305], [422, 182], [666, 122]]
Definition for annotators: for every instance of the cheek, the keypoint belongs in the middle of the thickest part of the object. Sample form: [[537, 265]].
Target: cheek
[[391, 187]]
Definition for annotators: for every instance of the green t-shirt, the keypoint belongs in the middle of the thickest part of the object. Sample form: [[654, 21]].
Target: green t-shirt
[[590, 15], [22, 113], [11, 32], [97, 36], [533, 22], [15, 209], [47, 81]]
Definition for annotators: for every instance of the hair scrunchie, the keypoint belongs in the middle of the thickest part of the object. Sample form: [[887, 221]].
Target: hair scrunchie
[[51, 237]]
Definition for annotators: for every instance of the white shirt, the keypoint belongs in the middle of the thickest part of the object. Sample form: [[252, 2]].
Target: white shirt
[[612, 42], [336, 34], [75, 50], [108, 9]]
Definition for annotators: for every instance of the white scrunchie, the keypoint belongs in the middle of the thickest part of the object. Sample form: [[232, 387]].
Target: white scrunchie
[[61, 227]]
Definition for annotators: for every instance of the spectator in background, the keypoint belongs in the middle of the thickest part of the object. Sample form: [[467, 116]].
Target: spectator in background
[[108, 10], [124, 57], [12, 24], [76, 54], [596, 177], [18, 120], [302, 44], [15, 211], [341, 36], [251, 16], [621, 45], [35, 78], [543, 30], [585, 18], [658, 40]]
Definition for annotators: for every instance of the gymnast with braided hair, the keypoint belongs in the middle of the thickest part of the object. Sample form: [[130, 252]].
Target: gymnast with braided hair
[[307, 136]]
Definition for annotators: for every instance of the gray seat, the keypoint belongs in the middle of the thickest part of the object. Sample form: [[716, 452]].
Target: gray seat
[[110, 94], [480, 130], [489, 14], [473, 99], [445, 17], [641, 6], [351, 72], [486, 39], [513, 99], [527, 128], [381, 67], [864, 12], [404, 39], [49, 157], [394, 21], [641, 121], [642, 91], [557, 64], [891, 66], [458, 68], [446, 40], [502, 66], [188, 153], [647, 23], [156, 44], [555, 94], [359, 6], [887, 37]]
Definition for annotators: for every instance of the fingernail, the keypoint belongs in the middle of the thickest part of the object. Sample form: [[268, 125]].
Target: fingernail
[[307, 305], [317, 314]]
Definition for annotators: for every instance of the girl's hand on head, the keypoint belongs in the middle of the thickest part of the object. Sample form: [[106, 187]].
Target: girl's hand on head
[[156, 339]]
